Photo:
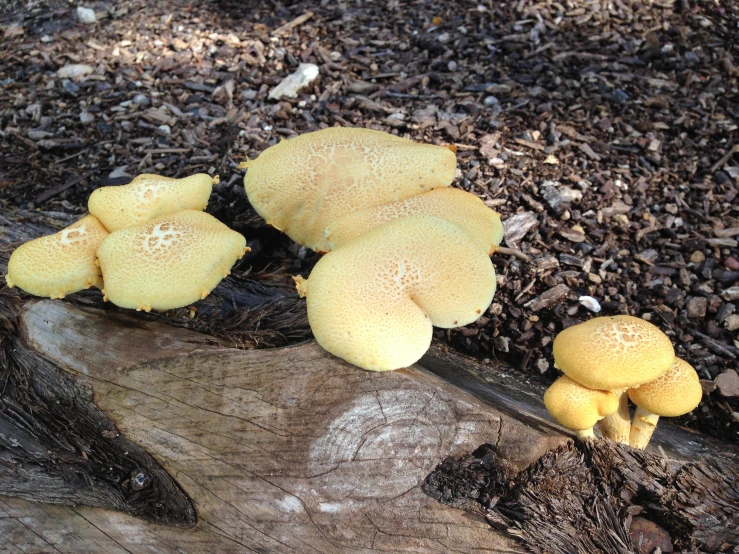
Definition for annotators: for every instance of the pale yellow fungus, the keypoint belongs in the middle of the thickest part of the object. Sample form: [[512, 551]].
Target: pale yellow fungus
[[59, 264], [577, 407], [454, 205], [614, 353], [675, 393], [301, 185], [147, 197], [168, 262], [373, 300]]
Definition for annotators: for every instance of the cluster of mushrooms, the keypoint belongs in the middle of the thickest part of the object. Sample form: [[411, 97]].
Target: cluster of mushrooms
[[147, 245], [608, 360], [402, 251]]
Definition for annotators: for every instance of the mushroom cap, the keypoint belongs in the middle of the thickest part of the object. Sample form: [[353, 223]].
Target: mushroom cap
[[613, 353], [168, 262], [302, 184], [675, 393], [454, 205], [578, 407], [148, 196], [59, 264], [373, 300]]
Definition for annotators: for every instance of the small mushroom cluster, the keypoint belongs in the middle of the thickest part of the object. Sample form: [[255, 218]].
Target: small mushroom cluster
[[606, 362], [147, 245], [403, 252]]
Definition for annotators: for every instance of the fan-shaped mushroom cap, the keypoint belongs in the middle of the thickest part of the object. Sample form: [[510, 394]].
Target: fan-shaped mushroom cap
[[168, 262], [613, 353], [454, 205], [578, 407], [59, 264], [373, 300], [302, 184], [148, 196], [675, 393]]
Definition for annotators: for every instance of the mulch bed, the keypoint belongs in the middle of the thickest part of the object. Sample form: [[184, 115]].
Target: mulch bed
[[605, 133]]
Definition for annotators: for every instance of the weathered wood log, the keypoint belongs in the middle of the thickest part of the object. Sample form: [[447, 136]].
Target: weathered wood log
[[284, 450], [582, 498]]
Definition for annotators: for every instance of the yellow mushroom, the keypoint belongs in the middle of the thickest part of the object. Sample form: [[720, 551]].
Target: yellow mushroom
[[373, 300], [147, 197], [675, 393], [454, 205], [168, 262], [577, 407], [59, 264], [302, 184], [614, 353]]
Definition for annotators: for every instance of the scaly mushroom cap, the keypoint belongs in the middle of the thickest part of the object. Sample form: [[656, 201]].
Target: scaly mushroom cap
[[168, 262], [454, 205], [302, 184], [59, 264], [577, 407], [148, 196], [373, 300], [613, 353], [675, 393]]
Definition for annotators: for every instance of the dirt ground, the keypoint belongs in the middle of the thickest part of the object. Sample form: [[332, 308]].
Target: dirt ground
[[604, 132]]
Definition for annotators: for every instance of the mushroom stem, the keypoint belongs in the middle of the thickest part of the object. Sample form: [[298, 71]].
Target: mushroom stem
[[617, 426], [585, 434], [643, 427]]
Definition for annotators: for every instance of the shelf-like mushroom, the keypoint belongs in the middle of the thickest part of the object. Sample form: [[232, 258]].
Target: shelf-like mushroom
[[614, 353], [373, 300], [675, 393], [457, 206], [168, 262], [577, 407], [301, 185], [148, 197], [59, 264]]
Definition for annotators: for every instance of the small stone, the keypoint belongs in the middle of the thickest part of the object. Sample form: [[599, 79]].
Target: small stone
[[224, 94], [620, 96], [490, 100], [542, 365], [74, 71], [86, 117], [118, 173], [292, 84], [730, 294], [697, 257], [36, 134], [590, 303], [86, 15], [165, 130], [556, 195], [502, 343], [732, 322], [728, 383], [731, 263], [647, 256], [595, 278], [697, 307], [142, 100]]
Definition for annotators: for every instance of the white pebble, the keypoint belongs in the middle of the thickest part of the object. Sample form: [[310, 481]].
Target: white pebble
[[590, 303]]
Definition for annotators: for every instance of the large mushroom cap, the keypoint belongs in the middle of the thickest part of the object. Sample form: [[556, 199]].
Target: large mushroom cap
[[59, 264], [454, 205], [613, 353], [302, 184], [675, 393], [578, 407], [373, 300], [148, 196], [169, 262]]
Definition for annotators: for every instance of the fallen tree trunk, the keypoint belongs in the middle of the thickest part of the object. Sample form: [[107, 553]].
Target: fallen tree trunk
[[287, 449]]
